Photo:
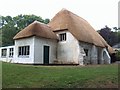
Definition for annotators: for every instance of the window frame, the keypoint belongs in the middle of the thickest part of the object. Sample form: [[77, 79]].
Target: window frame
[[4, 52], [11, 52], [62, 37], [24, 51]]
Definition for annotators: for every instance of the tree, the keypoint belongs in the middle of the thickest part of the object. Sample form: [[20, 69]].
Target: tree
[[21, 21], [117, 33], [110, 36], [46, 21]]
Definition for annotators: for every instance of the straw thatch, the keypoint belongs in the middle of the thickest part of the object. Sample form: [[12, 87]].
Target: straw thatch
[[65, 19], [110, 50], [36, 29], [79, 27]]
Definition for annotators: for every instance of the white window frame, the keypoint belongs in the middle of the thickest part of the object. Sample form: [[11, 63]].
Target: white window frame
[[4, 52], [62, 37], [11, 52], [24, 51]]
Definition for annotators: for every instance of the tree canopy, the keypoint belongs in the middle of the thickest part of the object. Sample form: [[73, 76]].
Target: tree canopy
[[111, 37], [10, 26]]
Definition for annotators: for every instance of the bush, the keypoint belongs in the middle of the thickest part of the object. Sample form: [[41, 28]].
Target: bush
[[117, 56]]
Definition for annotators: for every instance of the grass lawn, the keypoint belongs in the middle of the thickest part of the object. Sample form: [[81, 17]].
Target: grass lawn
[[29, 76], [0, 74]]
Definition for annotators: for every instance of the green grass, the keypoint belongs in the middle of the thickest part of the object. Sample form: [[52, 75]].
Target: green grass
[[29, 76], [0, 74]]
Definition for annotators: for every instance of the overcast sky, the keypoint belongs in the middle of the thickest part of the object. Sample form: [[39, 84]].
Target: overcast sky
[[97, 12]]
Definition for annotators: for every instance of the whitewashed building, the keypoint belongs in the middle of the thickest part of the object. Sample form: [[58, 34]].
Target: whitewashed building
[[7, 53], [67, 39]]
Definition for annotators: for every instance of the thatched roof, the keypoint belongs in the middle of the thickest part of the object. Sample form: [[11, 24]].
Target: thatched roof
[[36, 29], [110, 50], [79, 27]]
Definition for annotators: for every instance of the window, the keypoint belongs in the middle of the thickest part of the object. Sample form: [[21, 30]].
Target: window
[[24, 51], [86, 52], [4, 53], [11, 52], [62, 37]]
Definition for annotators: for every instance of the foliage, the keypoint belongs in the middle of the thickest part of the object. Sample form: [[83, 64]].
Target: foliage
[[0, 74], [9, 26], [118, 55], [118, 35], [29, 76], [46, 21], [111, 37]]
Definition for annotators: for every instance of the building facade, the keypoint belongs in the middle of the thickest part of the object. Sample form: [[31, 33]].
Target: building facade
[[67, 39]]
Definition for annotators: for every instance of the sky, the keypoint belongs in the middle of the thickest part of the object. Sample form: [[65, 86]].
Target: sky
[[97, 12]]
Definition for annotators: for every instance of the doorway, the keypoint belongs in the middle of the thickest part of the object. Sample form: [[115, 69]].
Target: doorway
[[46, 55]]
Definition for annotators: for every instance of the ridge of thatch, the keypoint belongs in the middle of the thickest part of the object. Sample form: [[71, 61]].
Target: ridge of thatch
[[79, 27], [36, 29]]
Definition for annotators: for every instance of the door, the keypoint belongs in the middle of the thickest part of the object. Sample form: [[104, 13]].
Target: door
[[46, 55]]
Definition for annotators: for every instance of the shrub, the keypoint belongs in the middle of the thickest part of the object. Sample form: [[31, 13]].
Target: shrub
[[118, 55]]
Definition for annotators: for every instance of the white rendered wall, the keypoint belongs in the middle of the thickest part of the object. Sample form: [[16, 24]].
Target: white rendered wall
[[106, 56], [87, 59], [103, 56], [24, 42], [94, 55], [82, 56], [7, 58], [36, 50], [39, 44], [68, 51], [100, 56]]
